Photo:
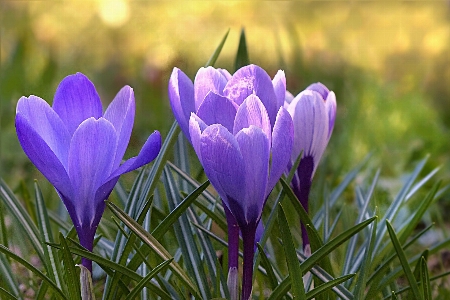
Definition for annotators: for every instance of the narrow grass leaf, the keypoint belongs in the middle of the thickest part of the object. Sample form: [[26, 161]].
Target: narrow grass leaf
[[24, 220], [403, 260], [34, 270], [340, 290], [6, 295], [181, 208], [327, 286], [109, 265], [51, 257], [366, 264], [242, 58], [186, 239], [159, 250], [215, 55], [273, 282], [135, 292], [70, 273], [295, 271]]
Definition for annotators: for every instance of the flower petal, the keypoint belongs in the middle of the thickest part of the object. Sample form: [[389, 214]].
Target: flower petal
[[279, 86], [217, 109], [76, 100], [121, 114], [196, 127], [223, 164], [282, 140], [47, 124], [42, 156], [149, 152], [91, 159], [310, 125], [254, 146], [319, 88], [253, 112], [250, 80], [208, 80], [330, 105], [181, 95]]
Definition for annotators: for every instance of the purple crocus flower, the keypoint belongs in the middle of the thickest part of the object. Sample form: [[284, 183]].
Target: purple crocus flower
[[79, 149], [313, 112], [242, 137]]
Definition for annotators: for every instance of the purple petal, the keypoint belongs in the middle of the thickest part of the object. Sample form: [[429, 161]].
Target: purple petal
[[253, 112], [254, 145], [310, 125], [181, 95], [319, 88], [149, 152], [47, 124], [223, 164], [76, 100], [42, 156], [208, 80], [196, 127], [279, 86], [225, 73], [217, 109], [330, 105], [91, 159], [288, 97], [121, 114], [250, 80], [282, 140]]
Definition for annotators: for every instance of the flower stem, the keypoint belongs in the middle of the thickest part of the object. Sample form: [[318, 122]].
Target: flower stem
[[248, 237], [233, 239]]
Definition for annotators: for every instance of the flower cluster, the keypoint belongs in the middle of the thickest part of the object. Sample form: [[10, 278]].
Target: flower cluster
[[79, 149], [246, 130]]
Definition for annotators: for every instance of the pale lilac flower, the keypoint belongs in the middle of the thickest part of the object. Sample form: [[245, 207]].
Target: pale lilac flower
[[243, 138], [79, 149], [313, 112]]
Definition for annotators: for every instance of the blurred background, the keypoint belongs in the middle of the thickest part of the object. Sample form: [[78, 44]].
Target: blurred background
[[387, 62]]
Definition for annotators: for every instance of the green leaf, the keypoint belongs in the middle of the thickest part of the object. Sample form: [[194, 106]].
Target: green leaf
[[320, 273], [23, 218], [268, 267], [242, 53], [7, 295], [70, 273], [87, 287], [134, 293], [51, 257], [425, 280], [295, 271], [185, 238], [403, 260], [366, 264], [158, 249], [327, 286], [181, 208], [34, 270], [215, 55], [107, 265]]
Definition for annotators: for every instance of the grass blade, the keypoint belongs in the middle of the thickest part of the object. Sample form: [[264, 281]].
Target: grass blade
[[30, 267], [327, 286], [71, 276], [403, 260], [141, 284], [215, 55], [242, 58], [295, 271], [51, 257], [148, 239]]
